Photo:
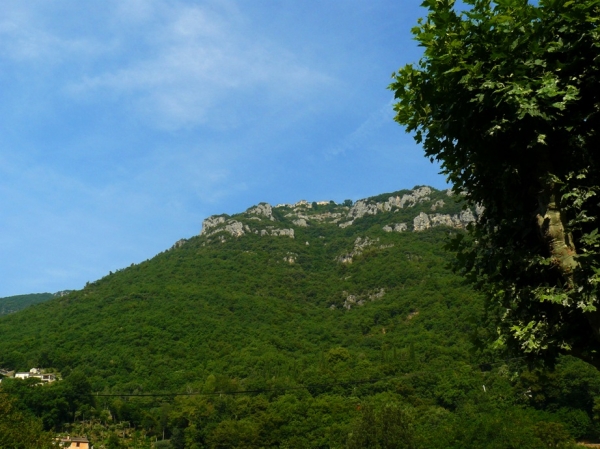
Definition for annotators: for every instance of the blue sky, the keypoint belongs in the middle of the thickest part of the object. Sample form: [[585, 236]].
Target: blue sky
[[125, 123]]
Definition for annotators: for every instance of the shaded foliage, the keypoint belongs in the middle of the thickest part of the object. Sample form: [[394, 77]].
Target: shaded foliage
[[505, 97]]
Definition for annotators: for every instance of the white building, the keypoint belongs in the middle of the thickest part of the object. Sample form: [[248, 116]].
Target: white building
[[36, 372]]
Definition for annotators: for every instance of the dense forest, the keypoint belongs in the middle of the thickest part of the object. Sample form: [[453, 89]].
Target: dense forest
[[314, 325]]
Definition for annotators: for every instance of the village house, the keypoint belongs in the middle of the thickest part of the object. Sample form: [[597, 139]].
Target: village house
[[76, 442], [37, 373]]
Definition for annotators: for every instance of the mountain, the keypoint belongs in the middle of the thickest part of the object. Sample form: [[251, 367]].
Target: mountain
[[276, 278], [282, 323]]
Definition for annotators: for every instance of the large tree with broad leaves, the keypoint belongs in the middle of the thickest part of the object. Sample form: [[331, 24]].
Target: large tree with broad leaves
[[507, 98]]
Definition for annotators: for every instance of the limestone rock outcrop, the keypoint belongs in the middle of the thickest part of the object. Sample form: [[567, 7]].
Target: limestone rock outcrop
[[362, 208], [398, 227], [263, 209], [360, 300], [235, 228], [300, 222], [432, 209], [421, 222], [438, 204], [425, 221], [283, 232], [179, 243], [418, 195], [368, 207], [211, 222], [270, 230], [360, 244]]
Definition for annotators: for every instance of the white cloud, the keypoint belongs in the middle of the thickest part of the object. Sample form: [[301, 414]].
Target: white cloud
[[175, 64], [198, 64]]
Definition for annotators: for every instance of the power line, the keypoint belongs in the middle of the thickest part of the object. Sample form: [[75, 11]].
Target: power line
[[299, 387], [263, 390]]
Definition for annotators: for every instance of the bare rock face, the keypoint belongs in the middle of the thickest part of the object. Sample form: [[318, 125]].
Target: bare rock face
[[417, 196], [235, 228], [393, 201], [360, 300], [359, 245], [424, 221], [327, 216], [300, 222], [444, 220], [179, 243], [304, 214], [362, 208], [466, 217], [290, 258], [438, 204], [277, 232], [283, 232], [345, 258], [367, 207], [398, 227], [377, 294], [263, 209], [421, 222], [212, 222], [352, 300]]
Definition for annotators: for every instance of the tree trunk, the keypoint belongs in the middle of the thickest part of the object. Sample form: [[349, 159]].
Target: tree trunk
[[551, 224]]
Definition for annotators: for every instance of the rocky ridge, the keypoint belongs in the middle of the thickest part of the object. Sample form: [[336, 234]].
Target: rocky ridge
[[404, 211]]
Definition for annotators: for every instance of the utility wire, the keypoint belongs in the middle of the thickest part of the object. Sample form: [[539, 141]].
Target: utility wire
[[299, 387]]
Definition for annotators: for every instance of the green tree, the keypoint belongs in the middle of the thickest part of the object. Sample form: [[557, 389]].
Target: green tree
[[387, 427], [113, 442], [553, 434], [19, 431], [506, 97]]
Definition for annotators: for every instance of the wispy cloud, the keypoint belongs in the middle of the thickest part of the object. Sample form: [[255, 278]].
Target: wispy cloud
[[24, 38], [365, 132], [175, 64], [199, 63]]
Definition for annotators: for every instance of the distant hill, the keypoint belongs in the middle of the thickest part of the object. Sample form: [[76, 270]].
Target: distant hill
[[13, 304]]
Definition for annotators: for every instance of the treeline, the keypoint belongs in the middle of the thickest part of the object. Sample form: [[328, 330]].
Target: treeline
[[445, 405]]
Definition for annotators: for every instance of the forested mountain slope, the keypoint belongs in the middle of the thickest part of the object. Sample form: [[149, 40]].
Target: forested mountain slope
[[311, 308], [234, 301]]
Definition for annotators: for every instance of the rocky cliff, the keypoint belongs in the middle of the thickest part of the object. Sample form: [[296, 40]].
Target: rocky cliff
[[404, 211]]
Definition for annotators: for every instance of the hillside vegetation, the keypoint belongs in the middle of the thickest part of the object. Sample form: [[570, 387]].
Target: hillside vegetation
[[305, 325]]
